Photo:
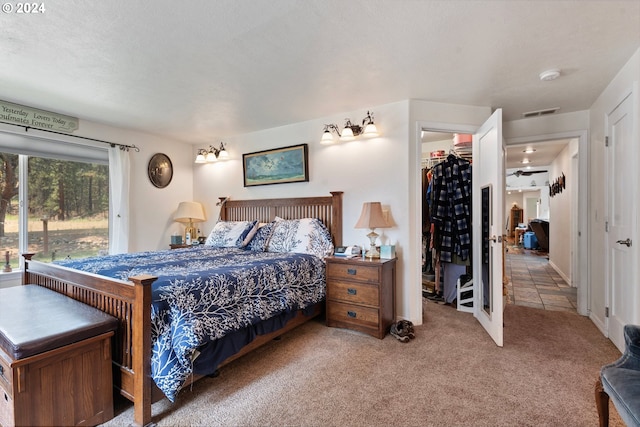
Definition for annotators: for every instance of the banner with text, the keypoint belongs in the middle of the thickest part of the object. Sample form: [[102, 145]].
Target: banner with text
[[34, 118]]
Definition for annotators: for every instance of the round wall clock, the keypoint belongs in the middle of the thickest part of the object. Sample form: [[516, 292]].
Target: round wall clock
[[160, 170]]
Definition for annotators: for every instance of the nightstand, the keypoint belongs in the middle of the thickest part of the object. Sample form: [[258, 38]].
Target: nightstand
[[179, 246], [361, 294]]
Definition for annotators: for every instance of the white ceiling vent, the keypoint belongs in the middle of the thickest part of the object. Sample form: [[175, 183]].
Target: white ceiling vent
[[537, 113]]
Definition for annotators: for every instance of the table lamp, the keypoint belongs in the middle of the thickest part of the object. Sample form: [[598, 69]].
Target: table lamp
[[372, 218], [188, 213]]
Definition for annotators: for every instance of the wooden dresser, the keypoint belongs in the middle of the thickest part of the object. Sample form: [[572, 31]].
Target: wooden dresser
[[361, 294]]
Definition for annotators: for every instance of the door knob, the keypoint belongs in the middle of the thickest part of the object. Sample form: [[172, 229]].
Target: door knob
[[624, 242]]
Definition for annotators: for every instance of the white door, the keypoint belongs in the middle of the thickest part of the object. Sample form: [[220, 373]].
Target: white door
[[488, 225], [622, 244]]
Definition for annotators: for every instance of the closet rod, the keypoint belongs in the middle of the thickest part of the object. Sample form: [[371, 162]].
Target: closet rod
[[123, 147]]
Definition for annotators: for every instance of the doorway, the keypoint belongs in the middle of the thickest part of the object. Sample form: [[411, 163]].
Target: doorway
[[438, 279], [568, 237], [539, 282], [539, 256]]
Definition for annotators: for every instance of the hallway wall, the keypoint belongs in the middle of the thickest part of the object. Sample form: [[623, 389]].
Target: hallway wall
[[561, 212]]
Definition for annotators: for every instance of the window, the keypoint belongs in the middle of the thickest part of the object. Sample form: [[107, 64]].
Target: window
[[63, 210], [68, 215]]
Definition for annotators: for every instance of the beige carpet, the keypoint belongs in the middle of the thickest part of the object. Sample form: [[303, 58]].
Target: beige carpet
[[452, 374]]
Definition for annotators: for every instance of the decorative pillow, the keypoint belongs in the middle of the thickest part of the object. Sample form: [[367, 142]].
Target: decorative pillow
[[306, 236], [259, 242], [231, 234]]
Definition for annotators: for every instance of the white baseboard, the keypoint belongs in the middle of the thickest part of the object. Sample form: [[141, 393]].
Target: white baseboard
[[599, 324], [561, 273]]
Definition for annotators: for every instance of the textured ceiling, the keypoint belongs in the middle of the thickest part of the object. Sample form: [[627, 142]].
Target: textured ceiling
[[202, 69]]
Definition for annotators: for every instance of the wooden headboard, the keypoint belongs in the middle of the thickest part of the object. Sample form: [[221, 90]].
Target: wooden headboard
[[327, 209]]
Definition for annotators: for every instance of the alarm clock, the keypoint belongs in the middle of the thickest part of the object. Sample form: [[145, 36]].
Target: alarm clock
[[347, 251]]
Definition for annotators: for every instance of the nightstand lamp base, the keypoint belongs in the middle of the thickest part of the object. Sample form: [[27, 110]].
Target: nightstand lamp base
[[373, 250]]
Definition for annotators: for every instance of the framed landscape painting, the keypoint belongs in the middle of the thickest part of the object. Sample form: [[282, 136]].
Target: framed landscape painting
[[277, 166]]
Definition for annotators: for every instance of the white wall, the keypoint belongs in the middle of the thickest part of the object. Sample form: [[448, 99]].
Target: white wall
[[561, 212], [605, 103], [516, 131], [523, 187], [151, 208]]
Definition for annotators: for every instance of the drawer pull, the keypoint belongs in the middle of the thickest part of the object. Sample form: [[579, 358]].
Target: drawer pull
[[352, 291], [351, 314], [352, 271]]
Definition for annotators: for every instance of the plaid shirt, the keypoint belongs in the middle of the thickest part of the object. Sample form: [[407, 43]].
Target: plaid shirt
[[451, 208]]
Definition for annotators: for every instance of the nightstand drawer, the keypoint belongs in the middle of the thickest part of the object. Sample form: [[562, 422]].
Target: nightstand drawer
[[354, 293], [355, 314], [361, 273]]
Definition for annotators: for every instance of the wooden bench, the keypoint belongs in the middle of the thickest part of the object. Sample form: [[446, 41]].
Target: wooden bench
[[55, 359]]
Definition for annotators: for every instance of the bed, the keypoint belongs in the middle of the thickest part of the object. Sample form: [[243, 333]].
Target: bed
[[130, 299]]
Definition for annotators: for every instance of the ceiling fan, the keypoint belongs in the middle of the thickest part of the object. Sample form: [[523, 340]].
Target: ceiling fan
[[524, 173]]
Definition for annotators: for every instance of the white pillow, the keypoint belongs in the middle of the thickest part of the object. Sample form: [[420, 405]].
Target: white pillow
[[231, 234], [306, 236]]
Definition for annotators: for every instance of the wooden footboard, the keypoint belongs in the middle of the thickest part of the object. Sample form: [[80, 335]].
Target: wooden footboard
[[130, 301]]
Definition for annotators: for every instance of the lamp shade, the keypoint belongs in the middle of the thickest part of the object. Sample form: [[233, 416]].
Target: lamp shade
[[189, 212], [371, 216], [370, 131], [347, 134], [327, 138], [223, 155], [200, 158], [210, 157]]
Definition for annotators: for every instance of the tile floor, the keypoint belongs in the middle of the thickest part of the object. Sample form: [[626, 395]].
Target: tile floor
[[534, 283]]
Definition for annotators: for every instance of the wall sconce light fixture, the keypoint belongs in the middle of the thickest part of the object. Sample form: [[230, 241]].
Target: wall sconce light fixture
[[211, 155], [350, 130]]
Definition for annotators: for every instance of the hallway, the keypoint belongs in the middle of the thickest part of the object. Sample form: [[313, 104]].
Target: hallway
[[534, 283]]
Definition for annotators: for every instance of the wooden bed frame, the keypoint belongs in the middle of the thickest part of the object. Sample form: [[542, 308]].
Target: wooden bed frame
[[130, 301]]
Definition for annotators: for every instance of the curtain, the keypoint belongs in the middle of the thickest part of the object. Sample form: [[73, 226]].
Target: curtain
[[119, 171]]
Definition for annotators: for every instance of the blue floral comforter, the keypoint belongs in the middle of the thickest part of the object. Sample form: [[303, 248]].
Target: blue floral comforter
[[202, 293]]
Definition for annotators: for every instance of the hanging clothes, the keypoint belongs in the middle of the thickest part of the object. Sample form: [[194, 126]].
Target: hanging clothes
[[451, 209], [426, 179], [427, 264]]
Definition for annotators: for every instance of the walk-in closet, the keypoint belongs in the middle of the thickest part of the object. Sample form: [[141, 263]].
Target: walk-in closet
[[446, 218]]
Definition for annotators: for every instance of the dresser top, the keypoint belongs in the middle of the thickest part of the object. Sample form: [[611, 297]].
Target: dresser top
[[359, 260]]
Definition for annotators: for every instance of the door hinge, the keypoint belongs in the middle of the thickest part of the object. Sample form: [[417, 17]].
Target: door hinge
[[606, 226], [606, 141], [606, 312]]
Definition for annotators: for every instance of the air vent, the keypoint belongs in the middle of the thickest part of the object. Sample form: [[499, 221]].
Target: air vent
[[541, 112]]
